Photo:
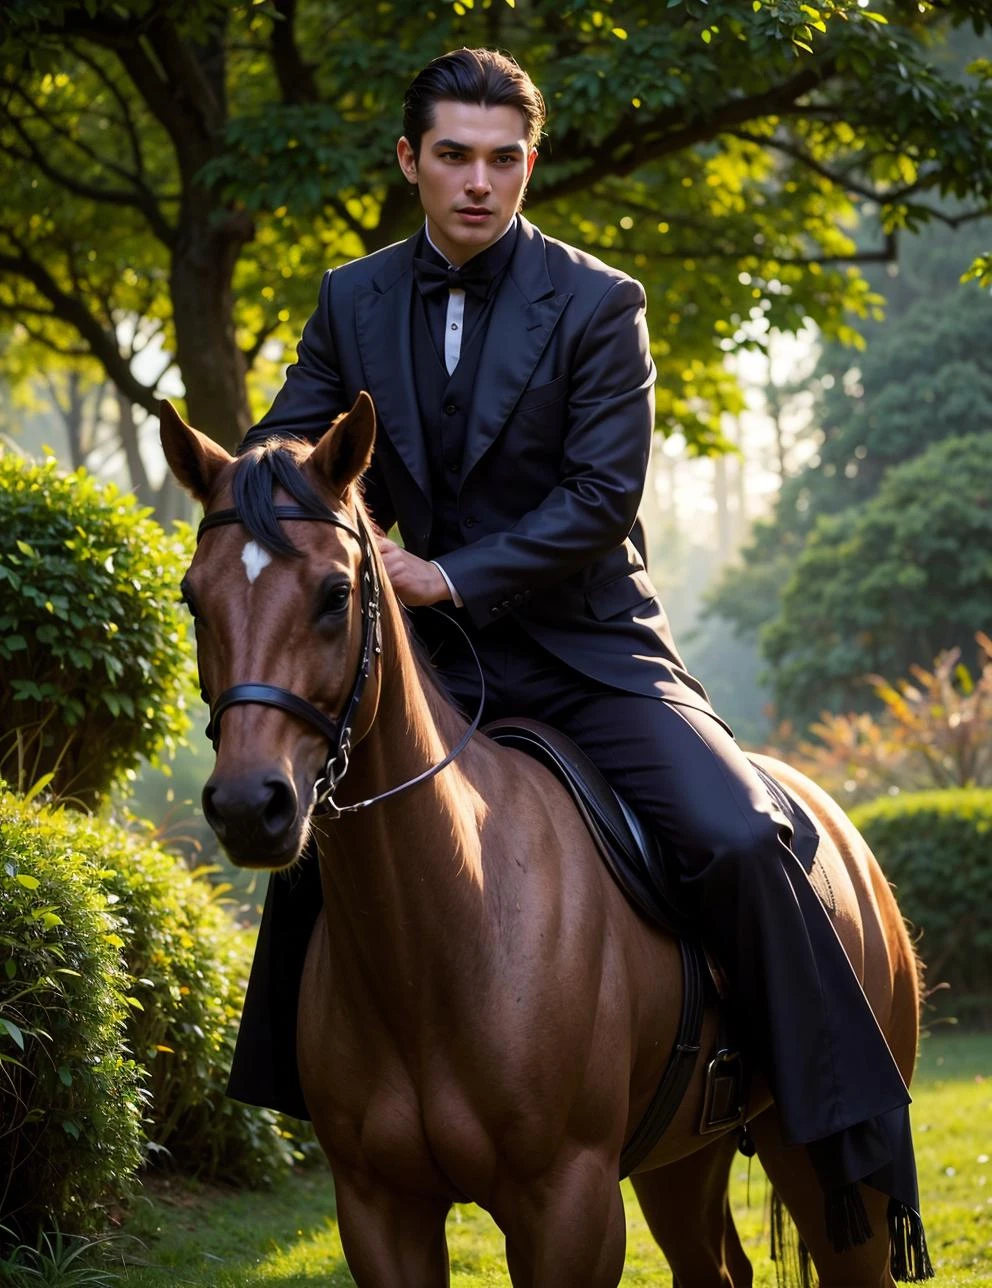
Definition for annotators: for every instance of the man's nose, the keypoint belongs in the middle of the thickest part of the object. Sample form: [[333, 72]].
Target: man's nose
[[478, 178]]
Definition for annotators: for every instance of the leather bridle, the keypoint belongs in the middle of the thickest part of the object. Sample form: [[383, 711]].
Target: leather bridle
[[337, 730]]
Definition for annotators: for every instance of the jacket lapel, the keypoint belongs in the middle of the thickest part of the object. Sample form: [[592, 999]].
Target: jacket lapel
[[382, 320], [525, 312]]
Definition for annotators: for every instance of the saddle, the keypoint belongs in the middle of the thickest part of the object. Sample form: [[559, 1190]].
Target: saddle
[[630, 851], [635, 860]]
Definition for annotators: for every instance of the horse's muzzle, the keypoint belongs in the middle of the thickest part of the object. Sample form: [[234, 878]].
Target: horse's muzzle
[[256, 817]]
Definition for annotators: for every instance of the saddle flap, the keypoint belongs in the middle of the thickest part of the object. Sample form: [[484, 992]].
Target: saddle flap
[[630, 851]]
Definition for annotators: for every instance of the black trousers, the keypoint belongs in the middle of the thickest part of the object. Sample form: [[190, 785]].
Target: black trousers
[[806, 1020]]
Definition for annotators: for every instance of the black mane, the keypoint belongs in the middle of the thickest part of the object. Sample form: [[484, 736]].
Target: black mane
[[274, 463]]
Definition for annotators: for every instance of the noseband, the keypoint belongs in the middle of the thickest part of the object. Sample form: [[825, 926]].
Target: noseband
[[337, 731]]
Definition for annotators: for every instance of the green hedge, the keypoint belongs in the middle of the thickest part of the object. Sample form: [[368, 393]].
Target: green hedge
[[121, 980], [936, 849], [70, 1097], [93, 643]]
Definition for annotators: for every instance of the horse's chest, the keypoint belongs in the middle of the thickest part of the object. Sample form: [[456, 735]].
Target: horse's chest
[[427, 1138]]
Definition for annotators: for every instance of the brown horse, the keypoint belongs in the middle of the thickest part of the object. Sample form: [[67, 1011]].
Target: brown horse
[[483, 1017]]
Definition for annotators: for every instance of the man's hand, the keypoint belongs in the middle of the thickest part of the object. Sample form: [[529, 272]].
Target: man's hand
[[415, 581]]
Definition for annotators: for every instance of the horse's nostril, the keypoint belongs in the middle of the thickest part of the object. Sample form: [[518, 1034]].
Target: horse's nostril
[[211, 813], [279, 811]]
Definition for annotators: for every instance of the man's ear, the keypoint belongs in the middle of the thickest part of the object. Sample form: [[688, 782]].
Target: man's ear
[[346, 448], [193, 458]]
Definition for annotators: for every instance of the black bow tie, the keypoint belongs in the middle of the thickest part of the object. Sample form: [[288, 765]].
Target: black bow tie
[[431, 277]]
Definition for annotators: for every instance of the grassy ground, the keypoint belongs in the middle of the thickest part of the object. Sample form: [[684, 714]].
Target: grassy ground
[[288, 1238]]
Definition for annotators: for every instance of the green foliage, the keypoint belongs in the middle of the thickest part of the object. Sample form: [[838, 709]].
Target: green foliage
[[70, 1096], [121, 978], [925, 376], [722, 151], [190, 965], [93, 643], [55, 1259], [900, 578], [936, 849]]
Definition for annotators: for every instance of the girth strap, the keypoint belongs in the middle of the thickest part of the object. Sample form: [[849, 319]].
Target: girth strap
[[681, 1063]]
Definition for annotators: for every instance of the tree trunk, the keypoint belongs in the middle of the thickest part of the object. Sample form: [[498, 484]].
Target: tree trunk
[[720, 495], [128, 432], [207, 351]]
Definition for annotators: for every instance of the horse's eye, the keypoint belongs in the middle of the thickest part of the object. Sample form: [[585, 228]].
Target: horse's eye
[[334, 598]]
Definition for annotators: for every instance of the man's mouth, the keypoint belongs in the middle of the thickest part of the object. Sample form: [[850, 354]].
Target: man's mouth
[[474, 210]]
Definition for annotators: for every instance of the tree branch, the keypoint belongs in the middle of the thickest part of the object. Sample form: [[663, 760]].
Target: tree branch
[[636, 142], [139, 197], [127, 118], [253, 350], [71, 309], [297, 83]]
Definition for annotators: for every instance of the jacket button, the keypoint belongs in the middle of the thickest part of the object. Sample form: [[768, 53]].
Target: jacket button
[[494, 612], [452, 467], [470, 522], [450, 409]]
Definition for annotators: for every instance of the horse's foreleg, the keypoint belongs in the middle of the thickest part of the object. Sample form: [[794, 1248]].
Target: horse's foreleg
[[391, 1238], [565, 1229], [687, 1210]]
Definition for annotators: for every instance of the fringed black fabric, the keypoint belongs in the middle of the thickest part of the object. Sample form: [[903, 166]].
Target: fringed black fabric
[[910, 1258], [846, 1219], [793, 1266]]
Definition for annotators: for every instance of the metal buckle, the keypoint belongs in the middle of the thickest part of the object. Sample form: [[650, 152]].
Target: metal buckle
[[724, 1104]]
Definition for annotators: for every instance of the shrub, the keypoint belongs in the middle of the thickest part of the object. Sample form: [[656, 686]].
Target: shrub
[[70, 1101], [112, 953], [93, 644], [936, 849], [190, 965]]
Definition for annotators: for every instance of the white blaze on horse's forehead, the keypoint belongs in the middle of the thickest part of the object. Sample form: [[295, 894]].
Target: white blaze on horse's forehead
[[254, 559]]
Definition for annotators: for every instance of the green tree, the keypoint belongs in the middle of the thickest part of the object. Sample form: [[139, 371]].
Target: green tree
[[902, 577], [198, 163], [925, 375]]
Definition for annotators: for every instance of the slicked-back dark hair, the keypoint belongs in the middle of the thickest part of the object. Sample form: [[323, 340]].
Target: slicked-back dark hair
[[481, 76]]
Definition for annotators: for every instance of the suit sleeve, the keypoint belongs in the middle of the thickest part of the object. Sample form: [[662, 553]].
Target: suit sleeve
[[605, 455], [312, 396]]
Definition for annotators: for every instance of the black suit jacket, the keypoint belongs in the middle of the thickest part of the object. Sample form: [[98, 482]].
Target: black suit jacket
[[556, 449]]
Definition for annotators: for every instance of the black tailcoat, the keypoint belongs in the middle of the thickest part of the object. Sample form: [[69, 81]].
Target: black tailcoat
[[555, 457]]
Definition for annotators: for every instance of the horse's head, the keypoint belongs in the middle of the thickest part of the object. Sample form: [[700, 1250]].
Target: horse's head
[[283, 589]]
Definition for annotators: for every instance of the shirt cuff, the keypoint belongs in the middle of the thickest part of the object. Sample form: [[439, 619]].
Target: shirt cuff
[[456, 599]]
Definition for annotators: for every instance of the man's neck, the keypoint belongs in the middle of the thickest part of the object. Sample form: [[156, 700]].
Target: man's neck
[[427, 233]]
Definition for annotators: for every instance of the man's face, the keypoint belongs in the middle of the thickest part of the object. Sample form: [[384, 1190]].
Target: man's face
[[473, 167]]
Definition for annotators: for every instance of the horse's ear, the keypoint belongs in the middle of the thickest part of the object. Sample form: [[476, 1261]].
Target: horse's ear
[[346, 449], [194, 459]]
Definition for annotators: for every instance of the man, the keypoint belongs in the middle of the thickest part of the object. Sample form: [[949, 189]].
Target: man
[[513, 382]]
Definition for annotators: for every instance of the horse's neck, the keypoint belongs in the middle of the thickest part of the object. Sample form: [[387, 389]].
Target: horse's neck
[[400, 873]]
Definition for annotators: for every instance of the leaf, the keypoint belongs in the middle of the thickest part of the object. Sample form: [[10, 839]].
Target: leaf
[[10, 1027], [27, 881], [38, 787], [65, 1076]]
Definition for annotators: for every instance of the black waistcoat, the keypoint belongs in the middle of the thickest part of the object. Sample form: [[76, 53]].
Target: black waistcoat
[[445, 404]]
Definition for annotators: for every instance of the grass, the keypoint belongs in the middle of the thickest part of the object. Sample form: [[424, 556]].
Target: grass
[[287, 1238]]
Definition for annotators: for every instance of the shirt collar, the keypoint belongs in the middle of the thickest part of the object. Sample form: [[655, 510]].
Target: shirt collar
[[496, 255]]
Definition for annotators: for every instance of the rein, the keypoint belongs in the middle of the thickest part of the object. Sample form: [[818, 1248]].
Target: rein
[[337, 730]]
